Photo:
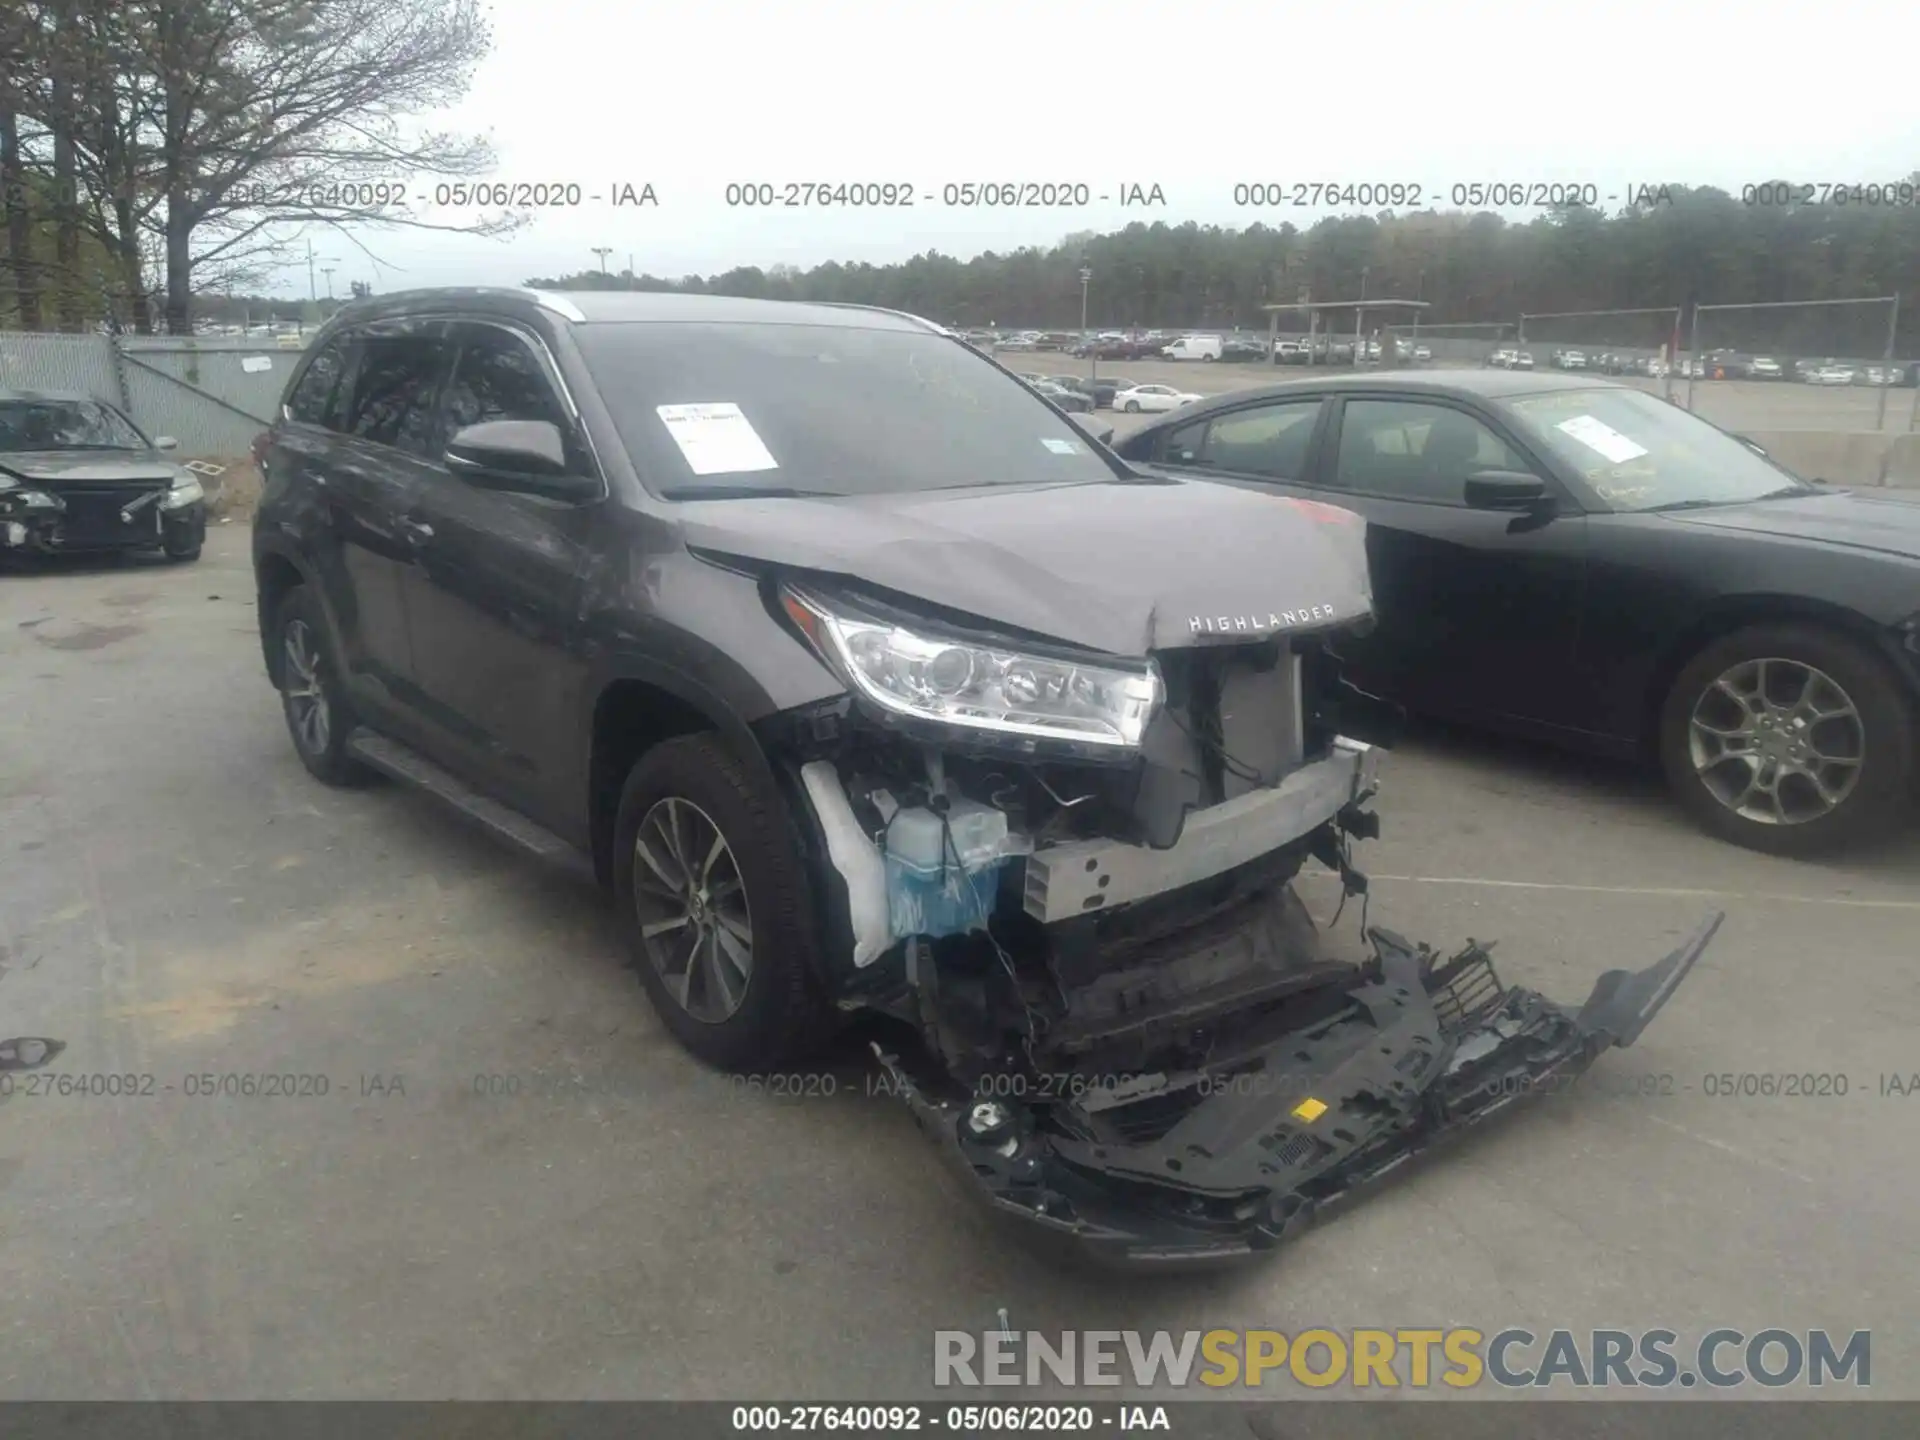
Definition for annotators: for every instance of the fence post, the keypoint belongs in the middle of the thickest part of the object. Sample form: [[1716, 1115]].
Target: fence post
[[1893, 331], [119, 363]]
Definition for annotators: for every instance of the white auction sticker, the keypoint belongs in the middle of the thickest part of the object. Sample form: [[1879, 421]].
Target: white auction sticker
[[716, 438], [254, 364], [1063, 447], [1602, 438]]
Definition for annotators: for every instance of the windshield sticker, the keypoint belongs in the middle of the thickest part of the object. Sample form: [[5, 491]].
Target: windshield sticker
[[1602, 438], [716, 439], [1063, 447], [254, 364]]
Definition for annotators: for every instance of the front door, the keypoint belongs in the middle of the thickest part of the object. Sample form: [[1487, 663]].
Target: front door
[[495, 588], [1479, 610]]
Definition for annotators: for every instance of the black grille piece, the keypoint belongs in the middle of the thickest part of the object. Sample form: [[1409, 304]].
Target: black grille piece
[[93, 516], [1465, 990]]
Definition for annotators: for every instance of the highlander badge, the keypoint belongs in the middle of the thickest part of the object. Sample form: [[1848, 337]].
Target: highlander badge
[[1225, 624]]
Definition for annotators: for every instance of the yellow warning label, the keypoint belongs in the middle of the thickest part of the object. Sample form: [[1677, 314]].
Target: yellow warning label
[[1310, 1109]]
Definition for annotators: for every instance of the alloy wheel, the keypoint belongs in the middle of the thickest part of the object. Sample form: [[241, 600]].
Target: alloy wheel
[[1777, 741], [306, 697], [691, 904]]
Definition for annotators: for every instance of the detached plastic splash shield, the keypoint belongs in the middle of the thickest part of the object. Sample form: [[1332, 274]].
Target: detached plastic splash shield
[[1224, 1164]]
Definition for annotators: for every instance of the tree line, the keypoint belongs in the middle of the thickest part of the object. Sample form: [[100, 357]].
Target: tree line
[[152, 149], [1680, 247]]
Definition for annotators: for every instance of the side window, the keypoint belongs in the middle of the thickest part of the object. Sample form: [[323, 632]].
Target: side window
[[1412, 450], [315, 400], [498, 377], [394, 391], [1270, 440]]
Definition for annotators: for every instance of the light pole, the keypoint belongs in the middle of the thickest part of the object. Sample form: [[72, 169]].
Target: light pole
[[1360, 318], [603, 251], [313, 286], [327, 270], [1093, 351]]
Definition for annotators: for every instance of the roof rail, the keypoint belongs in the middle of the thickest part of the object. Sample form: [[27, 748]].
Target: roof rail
[[558, 304], [919, 320]]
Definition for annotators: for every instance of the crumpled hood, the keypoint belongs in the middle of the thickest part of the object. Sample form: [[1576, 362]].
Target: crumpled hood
[[1881, 523], [1123, 568], [51, 467]]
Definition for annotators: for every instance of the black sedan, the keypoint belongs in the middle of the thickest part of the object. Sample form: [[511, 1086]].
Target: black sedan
[[1587, 563], [1100, 391], [77, 475], [1072, 401]]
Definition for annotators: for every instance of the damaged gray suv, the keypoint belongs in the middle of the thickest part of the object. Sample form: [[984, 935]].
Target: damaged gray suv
[[868, 681]]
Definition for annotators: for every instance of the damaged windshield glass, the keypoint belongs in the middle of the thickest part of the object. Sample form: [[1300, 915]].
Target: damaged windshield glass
[[826, 409], [64, 425]]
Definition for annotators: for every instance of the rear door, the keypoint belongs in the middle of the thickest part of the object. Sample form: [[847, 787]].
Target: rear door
[[358, 441], [1479, 610], [496, 583]]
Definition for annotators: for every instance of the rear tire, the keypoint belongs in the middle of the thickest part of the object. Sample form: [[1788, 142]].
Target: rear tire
[[314, 701], [1810, 712], [185, 555], [750, 881]]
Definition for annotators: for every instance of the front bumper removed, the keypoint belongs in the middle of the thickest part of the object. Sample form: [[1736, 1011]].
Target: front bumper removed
[[1227, 1162]]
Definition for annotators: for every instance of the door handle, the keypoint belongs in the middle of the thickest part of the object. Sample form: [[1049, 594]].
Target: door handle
[[416, 532]]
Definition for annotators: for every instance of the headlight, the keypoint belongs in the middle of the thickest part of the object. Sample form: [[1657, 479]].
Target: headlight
[[956, 682], [186, 489]]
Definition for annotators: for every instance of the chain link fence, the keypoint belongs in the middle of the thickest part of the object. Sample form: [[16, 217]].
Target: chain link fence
[[1635, 345], [212, 394], [1808, 364]]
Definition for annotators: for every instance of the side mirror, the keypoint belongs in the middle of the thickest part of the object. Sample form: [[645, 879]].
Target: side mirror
[[165, 442], [525, 455], [1505, 490]]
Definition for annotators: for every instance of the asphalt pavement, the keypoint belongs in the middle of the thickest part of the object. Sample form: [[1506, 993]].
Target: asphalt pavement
[[487, 1172]]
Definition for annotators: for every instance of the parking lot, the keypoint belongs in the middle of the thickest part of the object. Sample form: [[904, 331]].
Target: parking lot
[[1735, 404], [516, 1185]]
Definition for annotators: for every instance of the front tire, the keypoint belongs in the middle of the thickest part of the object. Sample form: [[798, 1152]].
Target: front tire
[[1133, 407], [713, 903], [311, 694], [1790, 739]]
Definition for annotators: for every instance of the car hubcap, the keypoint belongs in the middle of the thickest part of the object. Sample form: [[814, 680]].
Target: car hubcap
[[306, 698], [692, 908], [1777, 742]]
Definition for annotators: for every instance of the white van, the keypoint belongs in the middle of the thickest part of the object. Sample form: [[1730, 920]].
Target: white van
[[1194, 347]]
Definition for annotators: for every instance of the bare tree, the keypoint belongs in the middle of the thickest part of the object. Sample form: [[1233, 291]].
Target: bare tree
[[276, 113], [204, 135]]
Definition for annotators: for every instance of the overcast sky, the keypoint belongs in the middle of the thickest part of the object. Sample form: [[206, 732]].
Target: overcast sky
[[1117, 93]]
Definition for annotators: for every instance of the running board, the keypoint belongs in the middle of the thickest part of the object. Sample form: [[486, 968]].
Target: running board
[[407, 765]]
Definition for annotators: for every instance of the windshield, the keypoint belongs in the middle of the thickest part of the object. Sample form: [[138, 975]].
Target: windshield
[[65, 425], [1638, 452], [836, 410]]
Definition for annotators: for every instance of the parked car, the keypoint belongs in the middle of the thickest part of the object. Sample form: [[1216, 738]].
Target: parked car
[[1422, 352], [1523, 360], [1570, 359], [1018, 342], [1242, 349], [1764, 367], [1194, 347], [1290, 352], [1134, 399], [1100, 390], [803, 690], [1503, 358], [1584, 562], [78, 475], [1065, 398], [1830, 374]]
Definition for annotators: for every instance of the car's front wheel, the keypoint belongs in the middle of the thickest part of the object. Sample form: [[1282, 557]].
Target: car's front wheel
[[1133, 407], [1790, 738], [713, 900]]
